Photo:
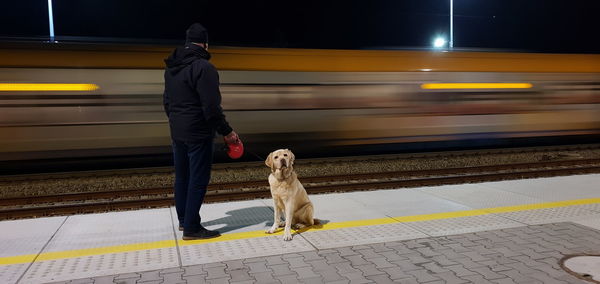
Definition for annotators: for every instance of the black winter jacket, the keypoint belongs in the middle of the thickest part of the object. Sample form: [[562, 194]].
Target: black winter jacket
[[192, 100]]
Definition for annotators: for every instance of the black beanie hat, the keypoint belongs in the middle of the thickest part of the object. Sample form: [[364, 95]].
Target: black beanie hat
[[196, 33]]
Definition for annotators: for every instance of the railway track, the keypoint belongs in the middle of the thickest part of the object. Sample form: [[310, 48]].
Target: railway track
[[260, 164], [75, 203]]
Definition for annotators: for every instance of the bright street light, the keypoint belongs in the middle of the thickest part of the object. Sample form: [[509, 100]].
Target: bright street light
[[439, 42], [451, 45], [51, 21]]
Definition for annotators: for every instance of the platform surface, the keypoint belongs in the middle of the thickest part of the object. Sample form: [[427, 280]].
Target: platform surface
[[496, 232]]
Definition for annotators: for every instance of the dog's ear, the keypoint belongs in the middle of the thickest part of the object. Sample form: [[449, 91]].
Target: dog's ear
[[269, 160], [292, 158]]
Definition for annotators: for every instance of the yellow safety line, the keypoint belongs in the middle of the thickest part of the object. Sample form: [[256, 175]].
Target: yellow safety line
[[12, 87], [26, 258], [257, 234], [437, 86]]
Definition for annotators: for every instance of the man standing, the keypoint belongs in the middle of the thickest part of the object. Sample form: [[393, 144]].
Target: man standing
[[192, 102]]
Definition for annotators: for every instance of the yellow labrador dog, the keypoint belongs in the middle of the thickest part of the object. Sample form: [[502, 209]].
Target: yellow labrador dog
[[289, 196]]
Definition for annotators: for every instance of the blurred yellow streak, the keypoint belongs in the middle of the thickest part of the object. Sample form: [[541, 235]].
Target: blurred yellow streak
[[476, 86], [47, 87]]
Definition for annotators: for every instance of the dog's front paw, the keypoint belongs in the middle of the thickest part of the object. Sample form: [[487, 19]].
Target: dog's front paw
[[287, 237], [271, 231]]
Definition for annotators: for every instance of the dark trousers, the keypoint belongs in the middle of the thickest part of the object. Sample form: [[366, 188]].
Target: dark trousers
[[193, 162]]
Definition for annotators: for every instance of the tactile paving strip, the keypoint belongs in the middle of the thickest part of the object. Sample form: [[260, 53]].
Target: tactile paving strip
[[242, 248], [452, 226], [98, 265], [11, 273], [361, 235], [593, 207], [551, 215]]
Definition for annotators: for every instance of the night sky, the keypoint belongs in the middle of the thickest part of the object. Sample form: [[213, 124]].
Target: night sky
[[517, 25]]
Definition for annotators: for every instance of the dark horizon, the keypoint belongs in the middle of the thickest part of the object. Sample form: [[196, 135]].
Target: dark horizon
[[531, 25]]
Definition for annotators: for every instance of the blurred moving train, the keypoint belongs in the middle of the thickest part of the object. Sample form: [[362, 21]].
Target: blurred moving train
[[83, 100]]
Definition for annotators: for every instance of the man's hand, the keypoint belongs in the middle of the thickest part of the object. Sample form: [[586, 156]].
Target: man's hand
[[232, 138], [235, 147]]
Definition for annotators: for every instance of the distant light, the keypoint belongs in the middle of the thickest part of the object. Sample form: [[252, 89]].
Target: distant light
[[48, 87], [439, 42], [426, 70], [438, 86]]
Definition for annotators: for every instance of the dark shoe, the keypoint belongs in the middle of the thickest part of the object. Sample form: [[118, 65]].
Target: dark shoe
[[203, 233]]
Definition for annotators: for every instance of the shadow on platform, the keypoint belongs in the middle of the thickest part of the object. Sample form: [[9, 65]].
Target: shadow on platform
[[246, 217]]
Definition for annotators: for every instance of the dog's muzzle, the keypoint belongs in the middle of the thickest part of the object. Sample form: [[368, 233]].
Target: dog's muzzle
[[283, 163]]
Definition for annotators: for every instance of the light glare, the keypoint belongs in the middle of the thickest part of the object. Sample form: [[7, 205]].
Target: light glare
[[439, 42]]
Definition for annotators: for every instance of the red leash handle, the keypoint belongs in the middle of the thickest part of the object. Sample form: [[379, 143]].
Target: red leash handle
[[235, 150]]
